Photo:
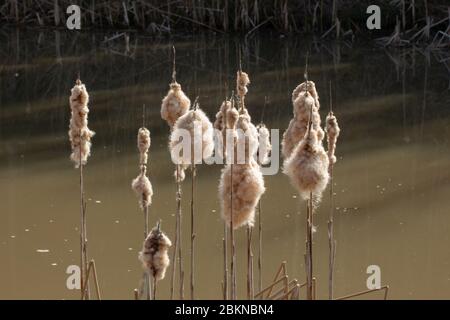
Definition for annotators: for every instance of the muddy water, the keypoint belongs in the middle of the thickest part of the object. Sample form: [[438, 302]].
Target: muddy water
[[392, 179]]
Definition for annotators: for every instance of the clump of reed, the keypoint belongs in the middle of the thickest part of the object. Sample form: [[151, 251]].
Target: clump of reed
[[196, 124], [80, 138], [142, 186], [330, 17], [154, 255]]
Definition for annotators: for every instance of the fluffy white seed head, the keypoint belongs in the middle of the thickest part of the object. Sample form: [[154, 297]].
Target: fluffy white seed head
[[175, 104], [143, 189], [143, 143], [79, 133], [311, 89], [265, 147], [240, 188], [242, 81], [154, 255], [246, 135], [332, 129], [307, 167], [197, 125], [302, 106]]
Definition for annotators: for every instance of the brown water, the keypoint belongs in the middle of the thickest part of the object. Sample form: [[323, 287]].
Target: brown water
[[392, 178]]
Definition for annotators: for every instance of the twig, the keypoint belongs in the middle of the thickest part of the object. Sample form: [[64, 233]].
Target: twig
[[91, 266], [357, 294]]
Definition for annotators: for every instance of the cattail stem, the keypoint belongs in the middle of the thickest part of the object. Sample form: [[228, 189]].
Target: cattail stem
[[179, 216], [331, 241], [260, 247], [83, 238], [177, 240], [193, 174], [233, 247], [148, 288], [225, 262], [250, 289], [154, 287], [309, 251]]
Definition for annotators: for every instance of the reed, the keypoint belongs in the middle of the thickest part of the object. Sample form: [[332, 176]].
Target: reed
[[307, 168], [332, 131], [200, 129], [174, 17], [80, 138], [142, 186], [174, 105]]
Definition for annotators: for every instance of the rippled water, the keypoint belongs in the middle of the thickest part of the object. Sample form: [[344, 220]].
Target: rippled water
[[392, 178]]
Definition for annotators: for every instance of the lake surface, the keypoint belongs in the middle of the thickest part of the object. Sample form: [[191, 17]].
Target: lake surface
[[392, 178]]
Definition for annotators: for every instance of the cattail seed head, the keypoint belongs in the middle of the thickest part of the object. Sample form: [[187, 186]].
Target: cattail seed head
[[154, 255], [143, 143], [332, 130], [200, 129], [307, 166], [79, 133], [143, 188], [311, 89], [175, 104], [265, 147], [219, 123], [240, 193], [248, 135], [232, 118], [242, 81], [303, 103]]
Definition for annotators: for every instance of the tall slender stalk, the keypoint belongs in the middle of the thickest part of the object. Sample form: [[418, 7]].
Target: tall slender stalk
[[309, 216], [148, 287], [331, 241], [179, 218], [250, 288], [193, 174], [225, 262], [233, 245], [177, 250], [309, 253], [82, 233], [259, 247]]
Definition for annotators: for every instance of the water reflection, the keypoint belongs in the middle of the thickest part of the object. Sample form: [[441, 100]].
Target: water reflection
[[392, 178]]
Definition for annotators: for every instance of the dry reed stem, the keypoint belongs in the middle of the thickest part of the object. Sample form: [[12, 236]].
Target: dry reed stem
[[250, 288], [179, 216], [155, 282], [193, 174], [177, 244], [225, 262], [259, 247], [281, 271], [285, 291], [233, 248], [309, 252], [357, 294], [268, 289], [91, 266]]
